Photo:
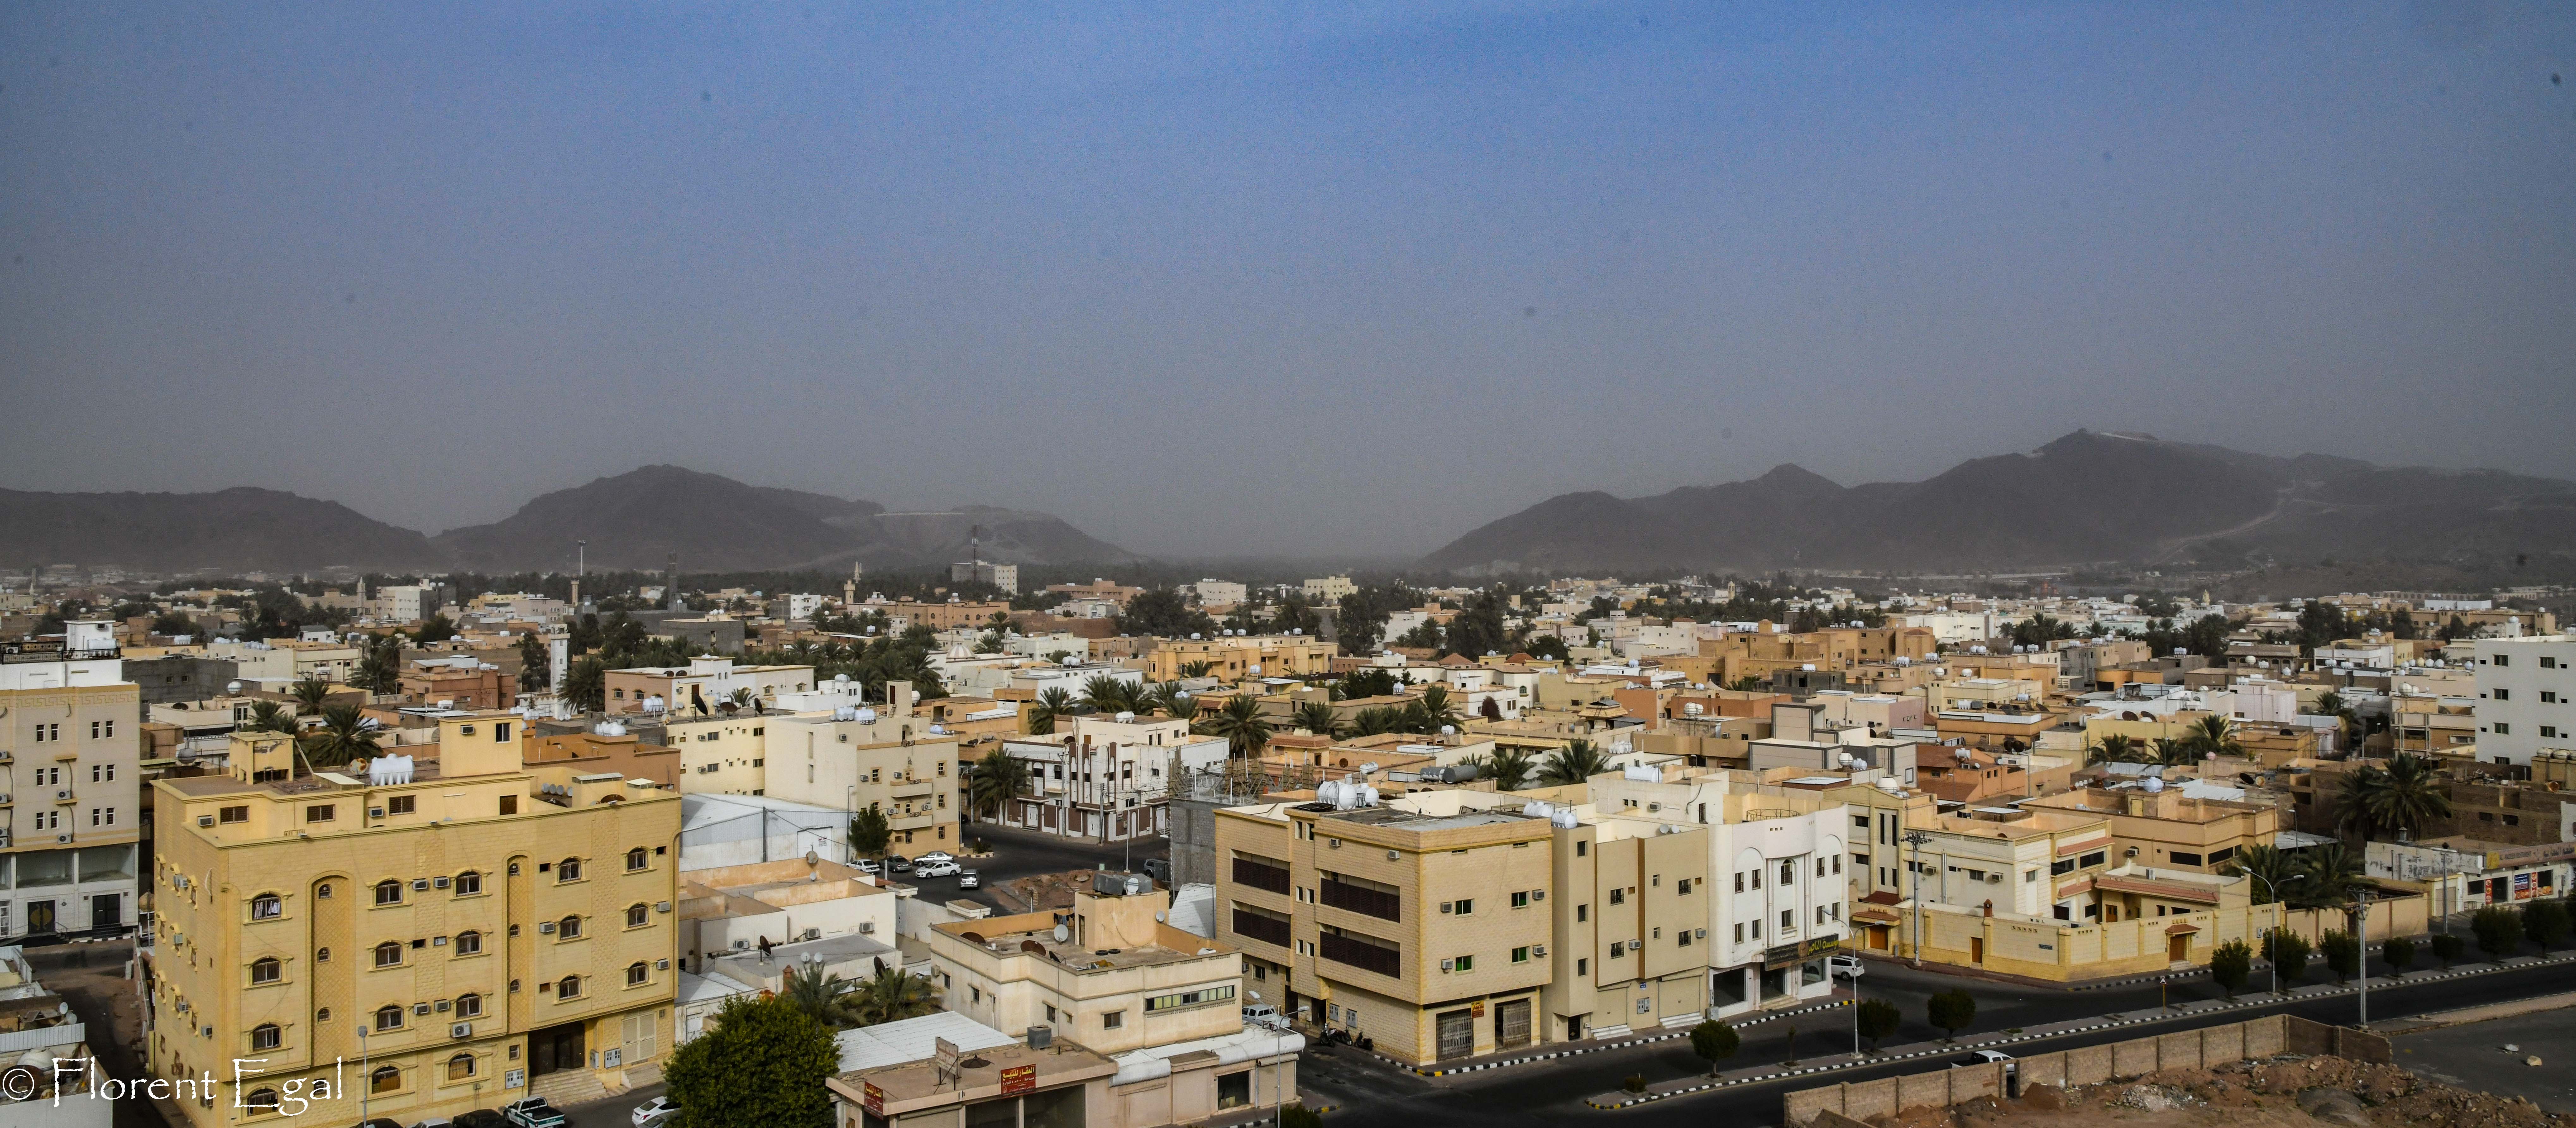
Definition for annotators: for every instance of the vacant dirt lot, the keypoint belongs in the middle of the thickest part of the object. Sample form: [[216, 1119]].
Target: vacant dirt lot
[[2291, 1092]]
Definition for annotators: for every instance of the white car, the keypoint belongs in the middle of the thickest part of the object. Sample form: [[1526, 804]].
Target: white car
[[935, 856], [970, 880], [1844, 967], [869, 865], [655, 1111], [936, 869]]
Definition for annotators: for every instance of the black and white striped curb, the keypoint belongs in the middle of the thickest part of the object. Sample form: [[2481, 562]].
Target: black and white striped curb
[[1577, 1051], [2110, 1022]]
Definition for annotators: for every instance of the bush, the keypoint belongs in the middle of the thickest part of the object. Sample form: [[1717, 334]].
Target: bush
[[2230, 965], [1953, 1010], [1298, 1116], [1634, 1083], [2399, 951], [1714, 1042], [2545, 921], [2447, 948], [2289, 953], [1878, 1018], [2499, 931], [2342, 953]]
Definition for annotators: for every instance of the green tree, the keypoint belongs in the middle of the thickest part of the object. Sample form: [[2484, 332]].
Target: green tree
[[2327, 875], [173, 623], [1163, 613], [535, 665], [1196, 669], [761, 1064], [2275, 875], [824, 998], [269, 716], [1437, 707], [2499, 931], [1877, 1019], [1241, 725], [2342, 954], [870, 834], [1578, 761], [2116, 749], [893, 995], [2213, 733], [1510, 768], [2230, 965], [1109, 693], [1714, 1042], [2399, 951], [1376, 720], [1477, 630], [2447, 948], [2289, 954], [2545, 922], [997, 779], [380, 671], [345, 736], [1317, 717], [1052, 703], [2400, 799], [309, 694], [436, 628], [1371, 682], [1952, 1010], [1299, 1116], [586, 684]]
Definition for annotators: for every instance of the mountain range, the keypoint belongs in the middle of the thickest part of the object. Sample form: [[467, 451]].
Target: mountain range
[[636, 520], [2087, 497]]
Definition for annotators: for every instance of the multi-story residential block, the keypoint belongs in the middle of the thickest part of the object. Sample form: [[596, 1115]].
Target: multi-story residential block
[[1216, 593], [458, 682], [284, 661], [2152, 826], [1110, 974], [891, 759], [1003, 576], [700, 687], [70, 787], [470, 928], [1106, 778], [1235, 657], [1328, 590], [2526, 697]]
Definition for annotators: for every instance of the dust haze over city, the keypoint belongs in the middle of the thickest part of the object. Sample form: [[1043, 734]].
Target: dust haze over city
[[1346, 281]]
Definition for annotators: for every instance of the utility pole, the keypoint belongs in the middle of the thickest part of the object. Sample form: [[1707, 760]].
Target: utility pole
[[2361, 932], [1916, 839]]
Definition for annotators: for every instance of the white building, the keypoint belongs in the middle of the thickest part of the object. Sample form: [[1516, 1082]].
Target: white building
[[2526, 697], [406, 603], [1217, 592], [1106, 778]]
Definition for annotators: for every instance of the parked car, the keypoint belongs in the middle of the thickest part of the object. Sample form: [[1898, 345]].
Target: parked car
[[479, 1118], [1982, 1057], [1844, 967], [935, 856], [900, 863], [654, 1111], [532, 1112], [869, 865], [1160, 869], [968, 880], [1263, 1014], [936, 869]]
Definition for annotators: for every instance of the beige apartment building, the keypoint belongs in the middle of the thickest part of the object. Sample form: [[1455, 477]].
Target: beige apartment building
[[1110, 974], [71, 810], [1628, 903], [891, 758], [2167, 829], [1235, 657], [288, 660], [700, 687], [470, 928]]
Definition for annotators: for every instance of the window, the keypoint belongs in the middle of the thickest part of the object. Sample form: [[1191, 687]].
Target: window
[[469, 943], [261, 1100], [2183, 859], [509, 804], [266, 906], [1520, 955], [569, 928], [1520, 900], [233, 815], [266, 1036], [569, 987], [321, 955], [1739, 881], [2548, 730], [1466, 907], [460, 1067], [1463, 963], [2093, 859], [1788, 920], [1618, 896], [568, 870], [1788, 872], [318, 813], [265, 969], [1582, 848], [2548, 697], [637, 859], [636, 914], [2504, 659], [637, 973], [386, 1079], [1189, 998], [2062, 867], [1113, 1020], [388, 954], [2503, 729], [469, 883], [1739, 932], [389, 892], [469, 1006], [322, 1015], [389, 1018], [2548, 663], [1681, 887], [2503, 694], [402, 804]]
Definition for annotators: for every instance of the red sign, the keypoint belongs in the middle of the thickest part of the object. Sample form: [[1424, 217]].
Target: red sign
[[872, 1097], [1019, 1079]]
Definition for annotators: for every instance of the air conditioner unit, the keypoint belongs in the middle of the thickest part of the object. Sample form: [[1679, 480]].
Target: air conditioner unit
[[1538, 894], [439, 882], [661, 965], [661, 906], [1994, 879], [62, 793], [1444, 906], [205, 820], [1538, 949], [442, 1003], [62, 838], [439, 942], [1699, 934], [547, 927], [460, 1030], [419, 884], [1444, 964], [375, 812], [420, 1008], [867, 928], [811, 934]]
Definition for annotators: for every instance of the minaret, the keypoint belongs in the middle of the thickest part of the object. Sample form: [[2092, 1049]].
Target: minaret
[[674, 581]]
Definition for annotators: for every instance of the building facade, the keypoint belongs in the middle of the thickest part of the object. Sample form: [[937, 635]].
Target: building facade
[[70, 787]]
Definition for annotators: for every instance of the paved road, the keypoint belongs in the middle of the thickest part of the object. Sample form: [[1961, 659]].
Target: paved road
[[1027, 853], [1369, 1093], [2474, 1056]]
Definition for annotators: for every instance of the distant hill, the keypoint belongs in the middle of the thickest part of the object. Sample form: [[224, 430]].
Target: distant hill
[[2086, 497], [235, 530], [633, 520]]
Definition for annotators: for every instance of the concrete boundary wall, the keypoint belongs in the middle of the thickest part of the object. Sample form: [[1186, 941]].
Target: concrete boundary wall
[[2087, 1065]]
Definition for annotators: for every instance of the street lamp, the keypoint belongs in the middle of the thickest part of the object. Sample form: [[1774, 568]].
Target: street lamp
[[2361, 935], [1916, 839], [2275, 895]]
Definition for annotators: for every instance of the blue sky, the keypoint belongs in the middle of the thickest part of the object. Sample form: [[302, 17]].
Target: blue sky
[[1267, 278]]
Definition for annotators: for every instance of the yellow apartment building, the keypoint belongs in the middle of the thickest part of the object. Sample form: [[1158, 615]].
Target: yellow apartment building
[[436, 936], [2168, 830], [1115, 978], [1235, 657], [1629, 908]]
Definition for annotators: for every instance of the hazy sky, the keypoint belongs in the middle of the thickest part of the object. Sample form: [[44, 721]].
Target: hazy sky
[[1289, 279]]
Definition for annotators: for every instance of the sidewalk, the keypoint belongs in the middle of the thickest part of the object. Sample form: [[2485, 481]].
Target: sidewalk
[[1578, 1049], [2253, 1000]]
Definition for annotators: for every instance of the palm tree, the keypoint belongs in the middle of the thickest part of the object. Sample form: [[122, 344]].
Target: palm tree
[[346, 736], [1180, 704], [893, 996], [2333, 705], [1375, 720], [1196, 669], [1576, 762], [309, 695], [2172, 753], [830, 999], [269, 716], [2276, 875], [2400, 798], [1052, 703], [998, 778], [1436, 704], [1510, 768], [1317, 717], [2117, 748], [2213, 733], [1109, 694], [2326, 876], [586, 684], [1241, 724]]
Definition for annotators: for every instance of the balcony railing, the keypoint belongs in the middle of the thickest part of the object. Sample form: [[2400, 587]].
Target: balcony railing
[[53, 650], [1260, 876], [1380, 903], [1365, 954], [1255, 926]]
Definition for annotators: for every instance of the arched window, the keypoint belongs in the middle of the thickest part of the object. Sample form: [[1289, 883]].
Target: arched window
[[261, 1100], [460, 1067], [385, 1079], [637, 973], [469, 1006], [569, 988], [469, 943], [388, 954], [323, 1015], [389, 1017], [322, 891], [389, 892], [569, 928], [468, 883], [265, 969], [266, 906], [637, 859], [568, 869], [636, 914], [321, 955], [266, 1036]]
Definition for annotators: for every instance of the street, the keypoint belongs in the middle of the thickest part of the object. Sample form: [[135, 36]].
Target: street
[[2474, 1056], [1027, 853]]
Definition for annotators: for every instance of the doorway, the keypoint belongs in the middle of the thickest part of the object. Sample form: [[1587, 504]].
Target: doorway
[[1457, 1035], [106, 914], [557, 1047], [2177, 949], [1976, 949], [1512, 1025], [40, 918]]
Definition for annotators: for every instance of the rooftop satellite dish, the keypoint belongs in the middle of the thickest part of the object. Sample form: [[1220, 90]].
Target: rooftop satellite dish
[[1062, 934], [841, 679], [232, 689]]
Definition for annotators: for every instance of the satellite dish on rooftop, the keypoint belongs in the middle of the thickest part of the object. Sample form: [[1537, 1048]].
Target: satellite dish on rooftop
[[1062, 934], [232, 689]]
